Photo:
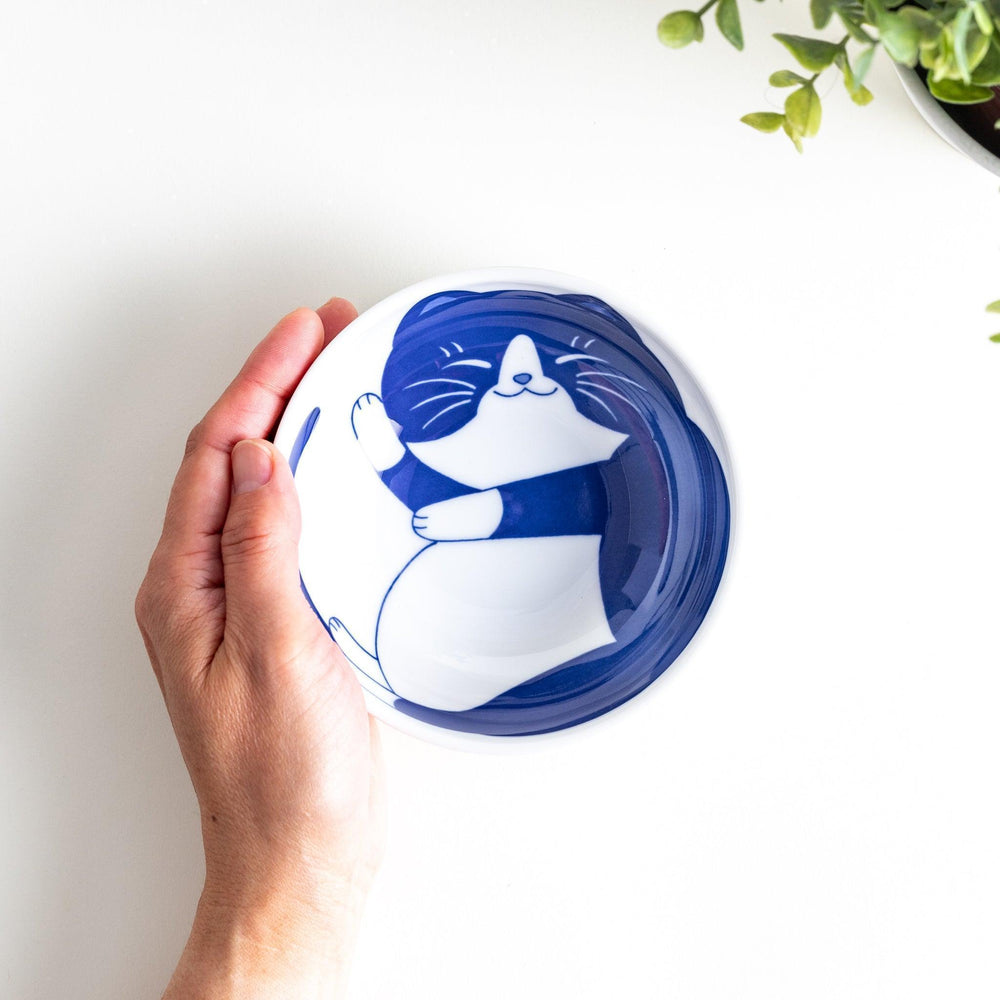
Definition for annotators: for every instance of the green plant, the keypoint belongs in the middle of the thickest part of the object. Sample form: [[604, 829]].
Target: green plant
[[956, 41], [994, 307]]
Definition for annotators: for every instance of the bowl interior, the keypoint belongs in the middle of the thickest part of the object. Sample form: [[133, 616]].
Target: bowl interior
[[512, 520]]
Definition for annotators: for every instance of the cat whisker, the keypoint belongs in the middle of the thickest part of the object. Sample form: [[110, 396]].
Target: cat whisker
[[604, 388], [428, 381], [572, 343], [600, 402], [446, 352], [458, 347], [470, 362], [562, 359], [443, 395], [586, 346], [441, 413], [609, 375]]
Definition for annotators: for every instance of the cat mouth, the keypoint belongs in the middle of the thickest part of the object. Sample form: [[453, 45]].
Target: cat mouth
[[520, 392]]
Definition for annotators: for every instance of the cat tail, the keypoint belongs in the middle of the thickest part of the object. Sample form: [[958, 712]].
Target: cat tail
[[356, 653]]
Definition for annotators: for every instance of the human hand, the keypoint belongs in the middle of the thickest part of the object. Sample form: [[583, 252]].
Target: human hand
[[269, 716]]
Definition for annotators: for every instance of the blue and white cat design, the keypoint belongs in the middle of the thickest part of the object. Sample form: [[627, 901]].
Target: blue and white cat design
[[512, 508], [520, 525]]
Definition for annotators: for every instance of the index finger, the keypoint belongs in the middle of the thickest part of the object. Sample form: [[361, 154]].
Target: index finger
[[335, 314], [249, 408]]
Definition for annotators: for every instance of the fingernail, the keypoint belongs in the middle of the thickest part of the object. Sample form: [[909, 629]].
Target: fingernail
[[252, 466]]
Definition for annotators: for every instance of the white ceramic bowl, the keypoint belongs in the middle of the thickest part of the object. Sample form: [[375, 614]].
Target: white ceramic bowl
[[515, 502]]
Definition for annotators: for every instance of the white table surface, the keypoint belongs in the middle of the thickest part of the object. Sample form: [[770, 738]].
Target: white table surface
[[806, 806]]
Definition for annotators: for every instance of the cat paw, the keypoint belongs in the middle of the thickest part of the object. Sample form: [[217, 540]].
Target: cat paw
[[375, 432], [466, 518]]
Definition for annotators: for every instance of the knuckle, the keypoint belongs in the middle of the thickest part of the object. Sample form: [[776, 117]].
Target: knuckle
[[162, 608], [195, 438], [246, 538], [151, 597], [152, 604], [143, 607]]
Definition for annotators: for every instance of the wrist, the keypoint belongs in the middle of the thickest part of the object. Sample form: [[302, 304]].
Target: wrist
[[266, 945]]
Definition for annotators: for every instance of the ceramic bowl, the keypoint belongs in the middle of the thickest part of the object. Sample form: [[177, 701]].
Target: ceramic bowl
[[515, 504]]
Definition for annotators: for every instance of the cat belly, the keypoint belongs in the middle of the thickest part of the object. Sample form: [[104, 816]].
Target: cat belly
[[466, 621]]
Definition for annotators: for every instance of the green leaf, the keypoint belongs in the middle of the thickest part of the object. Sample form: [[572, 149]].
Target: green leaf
[[786, 78], [994, 307], [900, 38], [822, 11], [995, 338], [680, 28], [956, 92], [982, 18], [978, 47], [727, 17], [813, 54], [804, 110], [852, 81], [862, 64], [936, 58], [987, 73], [854, 28], [960, 36], [764, 121], [922, 21], [792, 134]]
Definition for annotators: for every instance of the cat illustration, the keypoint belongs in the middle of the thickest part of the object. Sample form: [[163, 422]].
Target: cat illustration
[[510, 500], [548, 517]]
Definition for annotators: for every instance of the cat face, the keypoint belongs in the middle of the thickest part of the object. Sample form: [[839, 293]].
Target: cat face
[[525, 425], [532, 382]]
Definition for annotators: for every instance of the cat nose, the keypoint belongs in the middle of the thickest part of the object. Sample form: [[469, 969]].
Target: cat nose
[[522, 378]]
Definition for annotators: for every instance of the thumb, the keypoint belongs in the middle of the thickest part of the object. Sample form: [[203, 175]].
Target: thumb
[[266, 613]]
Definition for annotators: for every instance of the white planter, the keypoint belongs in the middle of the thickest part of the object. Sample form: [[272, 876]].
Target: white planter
[[942, 123]]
